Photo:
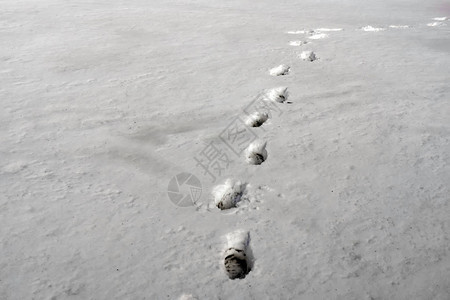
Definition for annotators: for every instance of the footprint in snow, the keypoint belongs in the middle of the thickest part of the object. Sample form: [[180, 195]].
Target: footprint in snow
[[297, 43], [256, 119], [229, 194], [280, 70], [308, 55], [278, 94], [238, 258], [256, 153]]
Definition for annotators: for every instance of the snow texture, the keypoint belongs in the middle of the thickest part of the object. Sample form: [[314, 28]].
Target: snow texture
[[105, 102]]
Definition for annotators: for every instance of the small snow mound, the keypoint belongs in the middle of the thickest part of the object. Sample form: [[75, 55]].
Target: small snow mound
[[257, 119], [256, 153], [236, 261], [280, 70], [318, 36], [370, 28], [227, 195], [278, 94], [308, 55], [399, 26], [440, 18], [435, 24]]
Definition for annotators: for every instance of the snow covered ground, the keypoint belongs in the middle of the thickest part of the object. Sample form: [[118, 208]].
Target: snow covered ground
[[104, 102]]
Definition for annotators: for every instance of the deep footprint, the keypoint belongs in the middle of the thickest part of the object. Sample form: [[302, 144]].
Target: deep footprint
[[256, 153], [256, 119], [229, 194], [237, 262], [278, 94]]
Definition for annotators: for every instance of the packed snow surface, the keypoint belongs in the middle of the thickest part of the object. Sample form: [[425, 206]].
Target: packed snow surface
[[104, 103]]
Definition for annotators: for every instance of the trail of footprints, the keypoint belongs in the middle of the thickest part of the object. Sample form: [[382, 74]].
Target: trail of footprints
[[238, 257]]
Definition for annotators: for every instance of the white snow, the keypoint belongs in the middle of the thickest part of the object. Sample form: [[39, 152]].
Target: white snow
[[105, 102], [440, 18]]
